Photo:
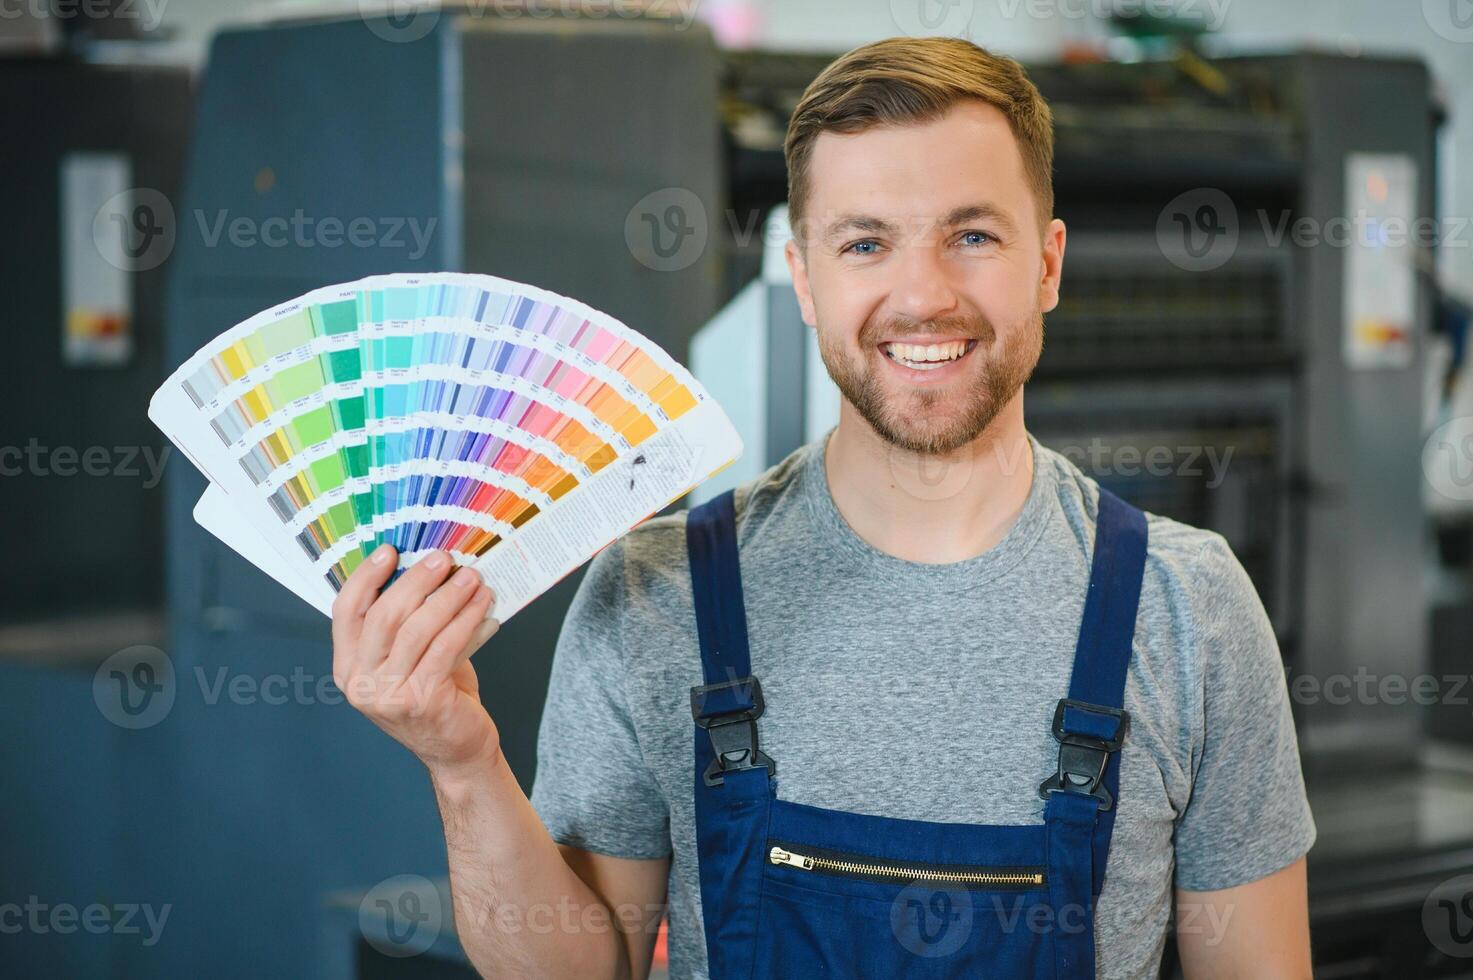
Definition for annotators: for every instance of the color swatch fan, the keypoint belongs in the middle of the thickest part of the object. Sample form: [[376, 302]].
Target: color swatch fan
[[519, 430]]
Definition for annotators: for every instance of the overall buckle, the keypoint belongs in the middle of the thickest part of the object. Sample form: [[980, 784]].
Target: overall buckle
[[733, 734], [1082, 758]]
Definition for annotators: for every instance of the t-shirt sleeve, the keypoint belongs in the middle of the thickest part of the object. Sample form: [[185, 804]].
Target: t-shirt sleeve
[[1247, 815], [593, 789]]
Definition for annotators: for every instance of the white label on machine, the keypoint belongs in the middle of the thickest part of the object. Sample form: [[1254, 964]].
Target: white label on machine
[[97, 293], [1380, 295]]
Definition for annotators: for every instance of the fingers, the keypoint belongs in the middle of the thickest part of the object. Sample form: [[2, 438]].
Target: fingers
[[427, 622], [484, 632], [354, 599], [444, 651], [463, 674], [389, 612], [464, 677]]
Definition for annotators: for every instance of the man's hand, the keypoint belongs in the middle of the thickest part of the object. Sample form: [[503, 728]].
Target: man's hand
[[403, 657]]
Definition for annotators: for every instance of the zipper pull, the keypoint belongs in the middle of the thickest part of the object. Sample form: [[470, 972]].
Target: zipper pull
[[779, 856]]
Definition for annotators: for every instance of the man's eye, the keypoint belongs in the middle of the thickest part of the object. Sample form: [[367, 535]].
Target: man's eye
[[975, 238], [866, 247]]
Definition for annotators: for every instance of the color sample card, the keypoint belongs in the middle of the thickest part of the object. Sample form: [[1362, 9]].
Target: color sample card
[[519, 430]]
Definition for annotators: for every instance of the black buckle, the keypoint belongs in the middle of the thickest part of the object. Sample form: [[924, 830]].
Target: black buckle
[[733, 734], [1082, 758]]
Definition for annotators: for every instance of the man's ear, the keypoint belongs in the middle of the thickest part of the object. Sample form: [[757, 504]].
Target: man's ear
[[799, 269], [1053, 266]]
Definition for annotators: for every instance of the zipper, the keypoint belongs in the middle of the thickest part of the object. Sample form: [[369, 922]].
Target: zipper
[[855, 866]]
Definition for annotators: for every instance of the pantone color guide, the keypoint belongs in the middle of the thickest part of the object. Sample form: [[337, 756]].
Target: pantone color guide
[[519, 430]]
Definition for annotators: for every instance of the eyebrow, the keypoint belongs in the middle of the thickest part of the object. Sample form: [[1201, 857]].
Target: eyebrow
[[957, 216]]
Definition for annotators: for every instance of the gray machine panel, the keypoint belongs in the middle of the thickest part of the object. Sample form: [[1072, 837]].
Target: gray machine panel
[[1365, 525], [91, 544]]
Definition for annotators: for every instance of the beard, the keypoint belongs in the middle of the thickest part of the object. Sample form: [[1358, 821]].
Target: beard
[[936, 422]]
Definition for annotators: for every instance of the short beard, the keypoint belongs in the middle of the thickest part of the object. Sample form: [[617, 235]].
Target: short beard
[[1002, 377]]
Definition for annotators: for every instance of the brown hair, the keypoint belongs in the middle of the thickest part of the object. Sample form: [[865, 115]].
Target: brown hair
[[915, 80]]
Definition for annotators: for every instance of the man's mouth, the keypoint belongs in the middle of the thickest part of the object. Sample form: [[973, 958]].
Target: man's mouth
[[927, 357]]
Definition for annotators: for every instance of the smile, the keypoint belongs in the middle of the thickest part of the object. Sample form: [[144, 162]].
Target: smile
[[927, 357]]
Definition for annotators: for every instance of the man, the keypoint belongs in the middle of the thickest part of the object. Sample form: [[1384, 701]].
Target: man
[[914, 586]]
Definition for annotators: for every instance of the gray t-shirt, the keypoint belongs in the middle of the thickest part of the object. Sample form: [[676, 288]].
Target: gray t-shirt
[[925, 691]]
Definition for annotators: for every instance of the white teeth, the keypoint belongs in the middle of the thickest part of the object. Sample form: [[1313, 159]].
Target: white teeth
[[932, 355]]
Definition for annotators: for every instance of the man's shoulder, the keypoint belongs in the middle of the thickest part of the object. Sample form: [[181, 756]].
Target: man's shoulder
[[1179, 555], [1201, 618]]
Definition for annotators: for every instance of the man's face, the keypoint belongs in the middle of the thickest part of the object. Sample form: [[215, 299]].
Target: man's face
[[925, 273]]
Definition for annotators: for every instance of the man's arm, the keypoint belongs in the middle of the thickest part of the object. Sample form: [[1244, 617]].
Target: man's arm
[[402, 658], [526, 906], [1242, 837], [1257, 930], [634, 889]]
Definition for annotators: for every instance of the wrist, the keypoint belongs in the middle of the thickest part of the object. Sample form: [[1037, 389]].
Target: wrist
[[463, 777]]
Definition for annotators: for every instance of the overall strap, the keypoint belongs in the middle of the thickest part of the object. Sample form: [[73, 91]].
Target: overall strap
[[1090, 726], [716, 585], [733, 787]]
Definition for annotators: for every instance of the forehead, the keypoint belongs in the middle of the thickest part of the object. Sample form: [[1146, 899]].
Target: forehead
[[920, 170]]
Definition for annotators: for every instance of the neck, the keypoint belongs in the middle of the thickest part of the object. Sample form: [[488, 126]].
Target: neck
[[931, 508]]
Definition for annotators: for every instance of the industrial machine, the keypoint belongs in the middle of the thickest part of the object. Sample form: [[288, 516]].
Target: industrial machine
[[93, 152], [93, 148]]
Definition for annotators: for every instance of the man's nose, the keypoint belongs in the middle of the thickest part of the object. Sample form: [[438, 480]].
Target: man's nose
[[923, 288]]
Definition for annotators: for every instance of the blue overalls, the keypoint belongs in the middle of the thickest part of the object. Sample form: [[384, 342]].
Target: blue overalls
[[797, 891]]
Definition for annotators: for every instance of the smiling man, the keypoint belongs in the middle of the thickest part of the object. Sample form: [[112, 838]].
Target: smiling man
[[922, 699]]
